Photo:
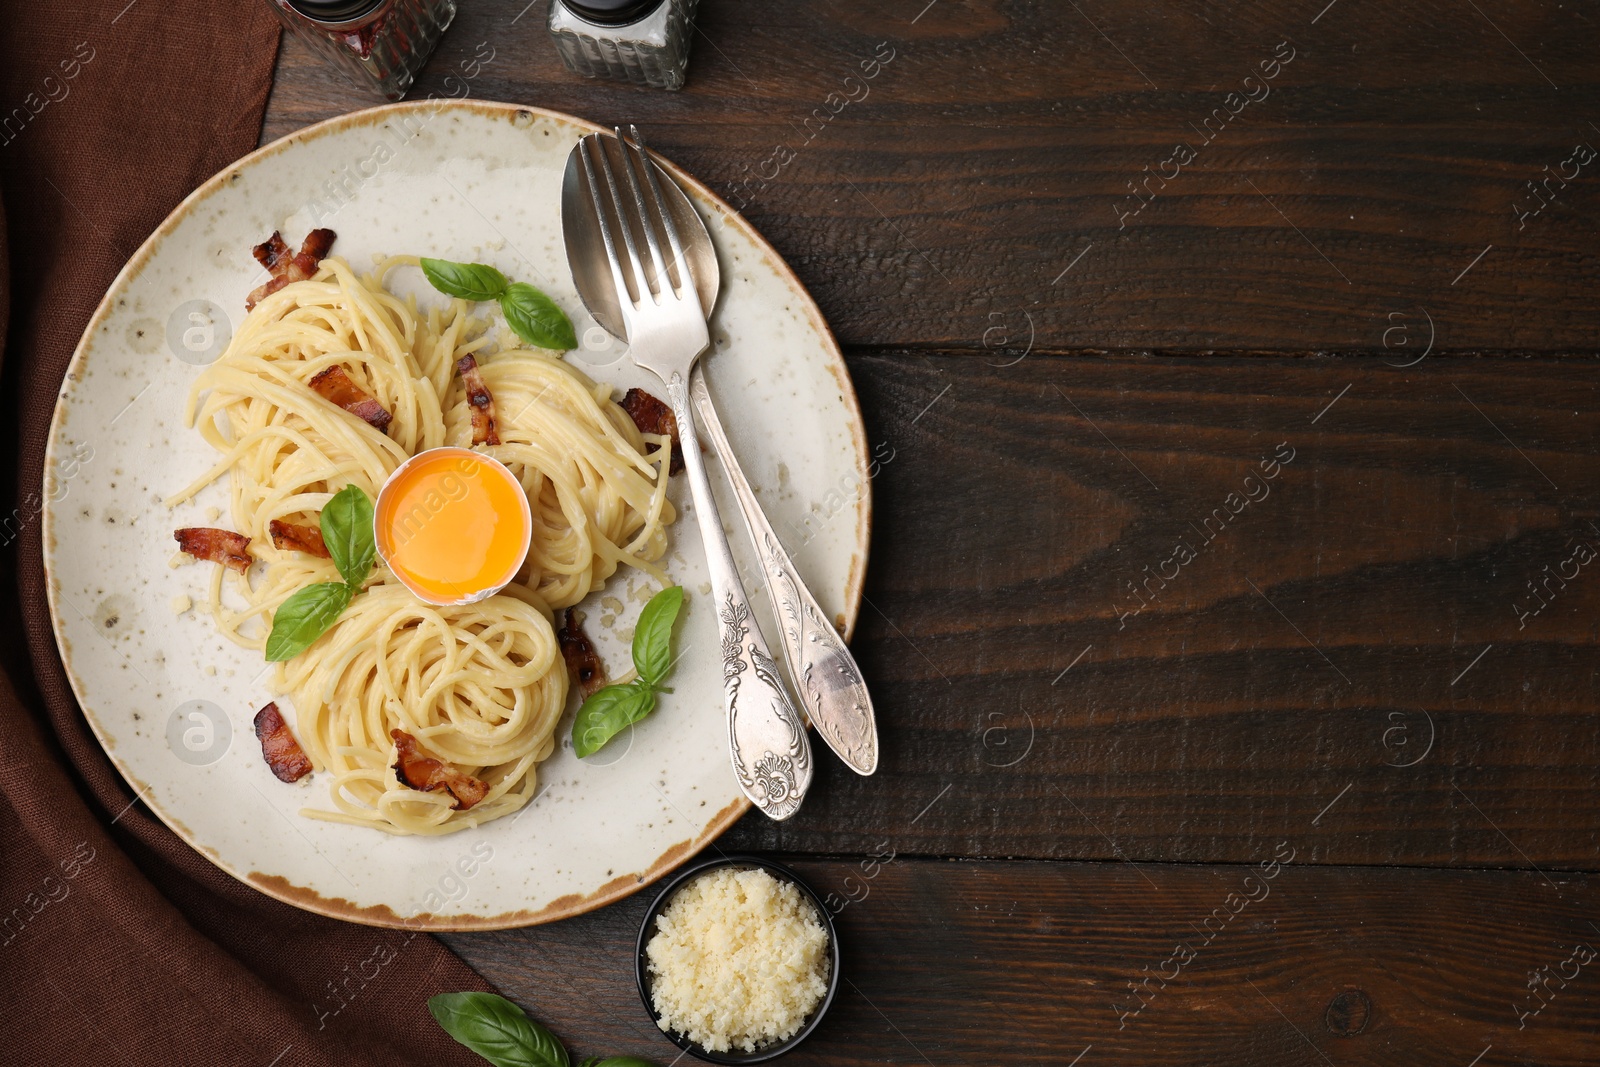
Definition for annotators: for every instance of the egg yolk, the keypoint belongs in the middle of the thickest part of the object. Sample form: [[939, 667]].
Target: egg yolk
[[452, 524]]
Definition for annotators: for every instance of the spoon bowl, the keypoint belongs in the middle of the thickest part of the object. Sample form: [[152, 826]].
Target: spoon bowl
[[592, 274]]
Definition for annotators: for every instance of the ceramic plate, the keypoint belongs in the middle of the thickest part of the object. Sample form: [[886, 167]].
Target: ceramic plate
[[172, 701]]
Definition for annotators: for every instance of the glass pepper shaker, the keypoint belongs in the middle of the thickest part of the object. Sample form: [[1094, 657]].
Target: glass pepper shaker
[[379, 44], [643, 41]]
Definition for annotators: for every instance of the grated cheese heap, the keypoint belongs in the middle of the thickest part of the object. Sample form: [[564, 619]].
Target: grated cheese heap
[[739, 958]]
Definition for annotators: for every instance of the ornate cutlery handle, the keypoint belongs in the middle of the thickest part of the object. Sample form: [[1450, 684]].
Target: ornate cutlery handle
[[766, 736], [834, 696]]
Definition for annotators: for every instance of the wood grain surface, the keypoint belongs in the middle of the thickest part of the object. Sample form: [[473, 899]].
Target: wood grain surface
[[1003, 139], [1031, 963], [1336, 632], [1138, 621]]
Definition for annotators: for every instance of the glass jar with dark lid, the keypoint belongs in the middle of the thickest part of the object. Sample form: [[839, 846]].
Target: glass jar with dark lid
[[379, 44], [642, 41]]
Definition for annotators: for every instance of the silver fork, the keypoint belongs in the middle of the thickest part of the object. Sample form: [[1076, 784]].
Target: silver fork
[[666, 335]]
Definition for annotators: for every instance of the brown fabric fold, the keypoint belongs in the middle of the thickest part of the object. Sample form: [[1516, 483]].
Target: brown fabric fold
[[119, 944]]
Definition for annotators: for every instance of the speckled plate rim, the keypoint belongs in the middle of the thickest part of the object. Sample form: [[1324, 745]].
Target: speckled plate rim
[[339, 908]]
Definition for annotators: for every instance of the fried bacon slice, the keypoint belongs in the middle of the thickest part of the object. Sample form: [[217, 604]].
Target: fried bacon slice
[[219, 546], [295, 537], [429, 775], [335, 386], [653, 416], [286, 266], [273, 254], [583, 662], [278, 746], [481, 400]]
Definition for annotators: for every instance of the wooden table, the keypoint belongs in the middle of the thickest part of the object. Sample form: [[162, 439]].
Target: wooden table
[[1232, 615]]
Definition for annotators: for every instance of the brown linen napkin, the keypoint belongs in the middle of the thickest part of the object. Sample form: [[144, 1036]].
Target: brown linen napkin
[[119, 944]]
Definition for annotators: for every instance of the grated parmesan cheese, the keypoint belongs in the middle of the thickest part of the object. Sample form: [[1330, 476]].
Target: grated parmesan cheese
[[739, 958]]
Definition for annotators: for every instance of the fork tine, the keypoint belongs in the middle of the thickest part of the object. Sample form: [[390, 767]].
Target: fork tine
[[680, 262], [664, 279], [600, 213], [641, 280]]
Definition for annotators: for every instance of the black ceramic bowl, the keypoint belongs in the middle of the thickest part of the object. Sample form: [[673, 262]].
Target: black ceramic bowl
[[741, 862]]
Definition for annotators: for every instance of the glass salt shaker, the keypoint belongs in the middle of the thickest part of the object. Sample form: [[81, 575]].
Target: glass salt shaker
[[379, 44], [643, 41]]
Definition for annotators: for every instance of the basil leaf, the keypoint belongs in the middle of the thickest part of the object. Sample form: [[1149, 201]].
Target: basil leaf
[[347, 531], [536, 319], [305, 617], [652, 637], [469, 281], [497, 1030], [608, 712]]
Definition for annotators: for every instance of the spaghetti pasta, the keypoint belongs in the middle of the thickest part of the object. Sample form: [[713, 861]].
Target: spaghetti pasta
[[479, 687]]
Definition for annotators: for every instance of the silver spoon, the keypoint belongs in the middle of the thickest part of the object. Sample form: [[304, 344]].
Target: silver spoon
[[833, 693], [660, 312]]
